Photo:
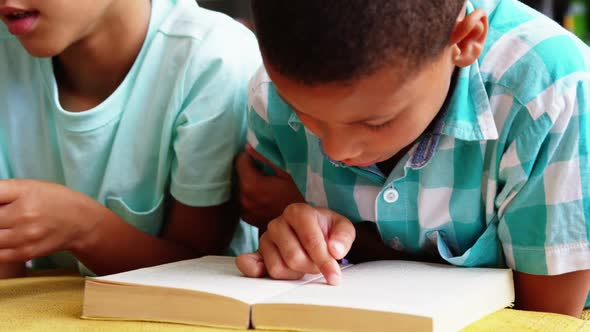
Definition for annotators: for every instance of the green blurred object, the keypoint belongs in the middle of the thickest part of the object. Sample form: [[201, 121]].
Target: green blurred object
[[576, 18]]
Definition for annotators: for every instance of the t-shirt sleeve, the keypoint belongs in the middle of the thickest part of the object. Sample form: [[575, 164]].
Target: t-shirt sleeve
[[544, 175], [210, 129]]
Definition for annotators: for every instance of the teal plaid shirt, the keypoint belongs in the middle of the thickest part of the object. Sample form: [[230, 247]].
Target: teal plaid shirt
[[503, 176]]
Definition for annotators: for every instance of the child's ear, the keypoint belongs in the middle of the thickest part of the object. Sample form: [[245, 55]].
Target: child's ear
[[468, 38]]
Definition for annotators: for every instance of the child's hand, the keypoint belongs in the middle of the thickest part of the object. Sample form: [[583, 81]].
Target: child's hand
[[302, 240], [12, 270], [263, 198], [38, 218]]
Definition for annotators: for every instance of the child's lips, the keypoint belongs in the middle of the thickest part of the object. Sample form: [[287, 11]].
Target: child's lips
[[19, 21]]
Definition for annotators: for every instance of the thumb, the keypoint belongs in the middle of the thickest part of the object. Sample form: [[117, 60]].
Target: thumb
[[341, 235]]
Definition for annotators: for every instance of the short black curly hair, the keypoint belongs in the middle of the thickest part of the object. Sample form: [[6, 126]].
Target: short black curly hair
[[323, 41]]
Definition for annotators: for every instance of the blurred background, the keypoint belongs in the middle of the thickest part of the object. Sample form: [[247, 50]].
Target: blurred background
[[573, 14]]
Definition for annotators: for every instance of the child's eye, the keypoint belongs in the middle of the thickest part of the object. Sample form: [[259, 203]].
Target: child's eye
[[379, 126]]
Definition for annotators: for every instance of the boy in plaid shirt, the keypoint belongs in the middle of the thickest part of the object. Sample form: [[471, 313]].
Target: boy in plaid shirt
[[457, 132]]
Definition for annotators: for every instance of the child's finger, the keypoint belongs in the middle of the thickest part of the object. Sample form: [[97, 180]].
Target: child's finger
[[12, 255], [7, 215], [275, 266], [341, 236], [307, 223], [292, 253], [9, 239], [251, 265], [257, 156]]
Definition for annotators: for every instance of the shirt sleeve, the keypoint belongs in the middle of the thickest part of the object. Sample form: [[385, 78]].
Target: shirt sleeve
[[210, 129], [260, 131], [544, 178]]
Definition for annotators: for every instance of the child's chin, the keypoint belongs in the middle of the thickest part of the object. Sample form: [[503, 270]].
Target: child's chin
[[40, 49]]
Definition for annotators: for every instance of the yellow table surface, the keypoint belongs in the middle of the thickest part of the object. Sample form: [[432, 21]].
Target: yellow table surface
[[54, 303]]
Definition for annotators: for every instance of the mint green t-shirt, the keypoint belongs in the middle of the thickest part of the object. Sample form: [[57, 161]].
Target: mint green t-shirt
[[173, 126]]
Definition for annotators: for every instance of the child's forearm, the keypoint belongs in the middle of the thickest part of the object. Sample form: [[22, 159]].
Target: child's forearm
[[563, 294], [121, 247], [47, 217], [52, 217], [115, 246], [12, 270]]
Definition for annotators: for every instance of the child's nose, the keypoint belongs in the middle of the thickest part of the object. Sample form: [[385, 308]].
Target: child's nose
[[339, 146]]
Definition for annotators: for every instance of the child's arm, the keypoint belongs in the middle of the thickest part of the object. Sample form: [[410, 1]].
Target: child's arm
[[542, 202], [263, 197], [38, 218], [563, 294], [190, 232], [12, 270]]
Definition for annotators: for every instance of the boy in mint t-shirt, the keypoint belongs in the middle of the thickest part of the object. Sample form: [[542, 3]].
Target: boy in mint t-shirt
[[119, 121], [457, 131]]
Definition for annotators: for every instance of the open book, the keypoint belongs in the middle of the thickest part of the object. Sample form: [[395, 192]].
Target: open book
[[374, 296]]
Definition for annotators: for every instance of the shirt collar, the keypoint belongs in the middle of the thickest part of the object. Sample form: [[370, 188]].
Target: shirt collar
[[469, 115], [466, 116]]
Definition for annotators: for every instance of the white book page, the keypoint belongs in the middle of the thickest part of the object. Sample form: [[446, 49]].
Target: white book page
[[421, 289], [210, 274]]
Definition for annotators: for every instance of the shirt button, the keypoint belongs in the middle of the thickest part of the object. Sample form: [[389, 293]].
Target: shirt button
[[391, 195]]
